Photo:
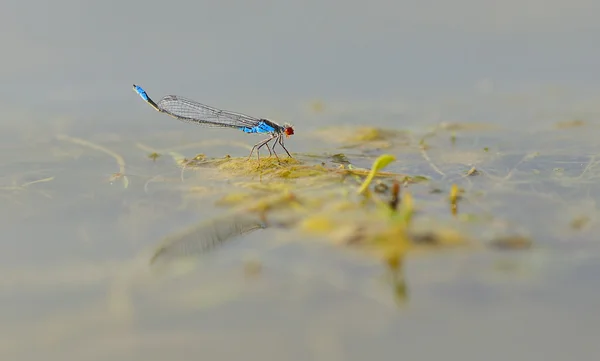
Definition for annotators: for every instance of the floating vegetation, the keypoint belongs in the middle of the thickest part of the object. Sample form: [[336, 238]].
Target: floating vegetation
[[570, 124], [381, 212], [514, 242], [154, 156], [580, 222], [15, 187], [472, 172], [422, 193], [119, 159], [379, 164], [361, 137], [378, 222]]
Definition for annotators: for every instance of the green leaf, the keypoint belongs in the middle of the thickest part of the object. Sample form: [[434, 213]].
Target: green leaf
[[378, 165]]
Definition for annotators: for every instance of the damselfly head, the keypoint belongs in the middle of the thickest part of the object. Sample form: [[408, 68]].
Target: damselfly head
[[288, 130]]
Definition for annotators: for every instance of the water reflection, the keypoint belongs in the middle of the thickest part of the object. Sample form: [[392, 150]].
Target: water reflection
[[206, 236]]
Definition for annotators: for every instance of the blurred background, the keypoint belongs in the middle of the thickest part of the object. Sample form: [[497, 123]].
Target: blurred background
[[81, 57]]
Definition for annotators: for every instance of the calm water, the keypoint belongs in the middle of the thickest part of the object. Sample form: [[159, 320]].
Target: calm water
[[75, 280]]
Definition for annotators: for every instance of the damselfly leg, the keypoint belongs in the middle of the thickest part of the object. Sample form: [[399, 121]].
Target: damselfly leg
[[259, 145], [280, 140], [273, 146]]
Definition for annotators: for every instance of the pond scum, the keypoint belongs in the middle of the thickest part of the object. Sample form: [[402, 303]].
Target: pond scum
[[369, 210]]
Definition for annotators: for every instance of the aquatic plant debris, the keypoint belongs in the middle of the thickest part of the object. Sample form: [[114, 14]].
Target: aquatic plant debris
[[91, 145], [322, 212], [326, 196], [154, 156], [356, 137], [381, 162]]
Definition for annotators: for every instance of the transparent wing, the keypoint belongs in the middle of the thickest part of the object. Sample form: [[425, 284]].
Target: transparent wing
[[194, 112]]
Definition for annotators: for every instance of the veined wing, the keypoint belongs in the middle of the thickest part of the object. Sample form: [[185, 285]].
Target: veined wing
[[193, 112]]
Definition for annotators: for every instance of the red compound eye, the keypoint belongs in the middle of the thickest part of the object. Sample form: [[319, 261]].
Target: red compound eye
[[288, 131]]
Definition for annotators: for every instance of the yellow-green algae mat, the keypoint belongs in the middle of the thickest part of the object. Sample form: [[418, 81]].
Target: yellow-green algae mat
[[339, 203], [343, 204]]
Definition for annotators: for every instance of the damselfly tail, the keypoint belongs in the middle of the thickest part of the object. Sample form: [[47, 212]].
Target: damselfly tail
[[142, 93]]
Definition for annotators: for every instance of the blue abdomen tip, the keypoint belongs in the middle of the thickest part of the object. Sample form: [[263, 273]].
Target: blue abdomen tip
[[138, 89]]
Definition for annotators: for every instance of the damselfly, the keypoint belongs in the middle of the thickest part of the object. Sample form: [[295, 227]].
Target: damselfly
[[193, 112]]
